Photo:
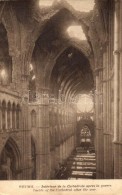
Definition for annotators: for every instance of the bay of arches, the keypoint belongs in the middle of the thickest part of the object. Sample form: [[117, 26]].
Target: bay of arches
[[10, 116]]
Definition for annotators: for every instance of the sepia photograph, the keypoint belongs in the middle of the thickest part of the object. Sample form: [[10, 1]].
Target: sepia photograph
[[60, 95]]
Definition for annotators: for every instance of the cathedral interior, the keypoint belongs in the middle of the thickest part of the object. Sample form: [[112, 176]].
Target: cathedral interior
[[60, 89]]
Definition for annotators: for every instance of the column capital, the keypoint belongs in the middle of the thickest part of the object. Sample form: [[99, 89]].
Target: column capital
[[117, 51], [117, 142], [97, 70]]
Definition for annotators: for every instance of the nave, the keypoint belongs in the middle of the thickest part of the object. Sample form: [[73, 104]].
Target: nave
[[60, 87], [80, 165]]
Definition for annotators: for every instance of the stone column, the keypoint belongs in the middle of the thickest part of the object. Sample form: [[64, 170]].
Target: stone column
[[119, 175], [43, 140], [26, 138], [116, 86], [61, 152], [116, 70], [120, 89], [99, 128], [0, 119], [6, 122], [11, 118], [15, 115], [107, 110]]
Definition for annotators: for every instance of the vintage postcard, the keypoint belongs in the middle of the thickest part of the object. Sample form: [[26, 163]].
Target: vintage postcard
[[60, 97]]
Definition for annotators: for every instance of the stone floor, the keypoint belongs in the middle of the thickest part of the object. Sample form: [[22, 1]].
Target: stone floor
[[80, 165]]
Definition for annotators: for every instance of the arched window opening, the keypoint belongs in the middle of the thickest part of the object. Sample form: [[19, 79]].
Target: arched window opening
[[33, 157], [50, 118], [3, 115], [85, 103], [32, 84], [76, 32], [5, 59], [18, 117], [33, 118], [9, 115], [85, 137], [13, 116], [55, 117]]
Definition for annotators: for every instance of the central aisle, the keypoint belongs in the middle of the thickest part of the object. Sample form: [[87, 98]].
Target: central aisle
[[80, 165]]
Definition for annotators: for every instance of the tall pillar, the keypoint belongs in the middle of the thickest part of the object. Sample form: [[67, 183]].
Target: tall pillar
[[26, 138], [43, 153], [105, 110], [0, 118], [99, 129], [11, 118], [120, 74], [120, 94], [6, 124], [116, 70], [116, 87]]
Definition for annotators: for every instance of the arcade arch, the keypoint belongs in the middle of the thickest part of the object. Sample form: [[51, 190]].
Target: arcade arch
[[10, 161]]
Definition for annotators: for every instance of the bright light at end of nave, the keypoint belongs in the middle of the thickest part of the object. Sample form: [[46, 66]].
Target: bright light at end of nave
[[76, 32], [79, 5], [85, 103]]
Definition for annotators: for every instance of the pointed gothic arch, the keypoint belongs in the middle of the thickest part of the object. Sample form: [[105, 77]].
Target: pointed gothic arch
[[3, 114], [33, 118], [9, 112], [10, 161]]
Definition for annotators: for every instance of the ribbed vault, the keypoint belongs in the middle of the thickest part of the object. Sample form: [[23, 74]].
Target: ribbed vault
[[71, 74], [52, 51]]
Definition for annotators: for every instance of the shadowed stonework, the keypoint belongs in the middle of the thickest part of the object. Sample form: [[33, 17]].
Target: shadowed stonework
[[52, 54]]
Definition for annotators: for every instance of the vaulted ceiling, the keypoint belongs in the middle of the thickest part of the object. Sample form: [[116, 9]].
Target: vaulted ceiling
[[71, 72], [71, 69]]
